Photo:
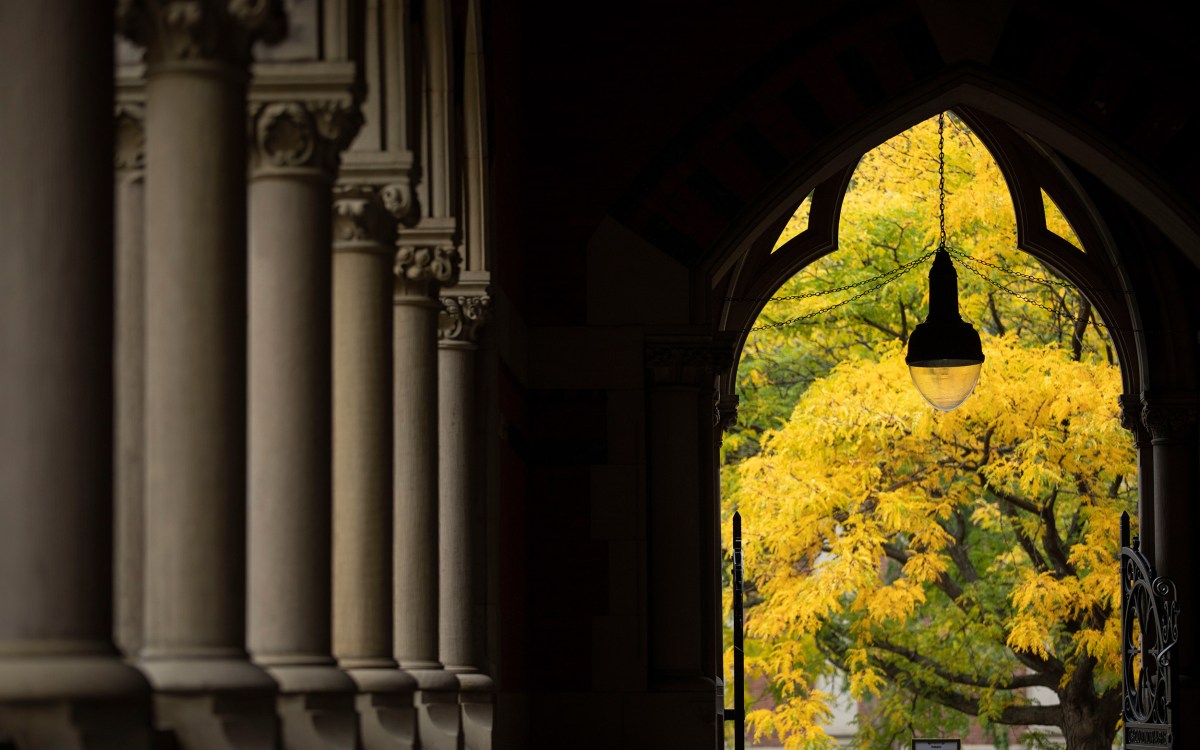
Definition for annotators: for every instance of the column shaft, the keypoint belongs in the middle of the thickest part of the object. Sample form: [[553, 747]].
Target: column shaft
[[130, 353], [195, 358], [289, 419], [56, 275], [362, 580], [456, 470], [415, 557]]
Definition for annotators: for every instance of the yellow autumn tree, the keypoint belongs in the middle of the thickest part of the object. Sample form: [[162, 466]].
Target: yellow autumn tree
[[944, 566]]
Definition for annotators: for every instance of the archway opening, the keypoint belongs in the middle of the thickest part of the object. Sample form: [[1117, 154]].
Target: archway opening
[[913, 573]]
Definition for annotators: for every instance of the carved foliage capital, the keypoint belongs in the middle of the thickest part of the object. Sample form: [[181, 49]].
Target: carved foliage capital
[[302, 133], [422, 268], [182, 30], [1170, 420], [462, 316], [359, 217], [130, 136]]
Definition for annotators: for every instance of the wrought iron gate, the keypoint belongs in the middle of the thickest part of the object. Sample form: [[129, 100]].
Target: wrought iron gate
[[1149, 633]]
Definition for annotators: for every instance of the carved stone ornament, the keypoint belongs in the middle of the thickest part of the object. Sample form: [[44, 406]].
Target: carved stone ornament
[[302, 134], [130, 136], [397, 198], [691, 362], [189, 30], [421, 270], [358, 217], [462, 317], [1170, 420], [727, 411]]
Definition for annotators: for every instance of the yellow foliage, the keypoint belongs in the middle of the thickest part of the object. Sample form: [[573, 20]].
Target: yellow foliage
[[903, 548]]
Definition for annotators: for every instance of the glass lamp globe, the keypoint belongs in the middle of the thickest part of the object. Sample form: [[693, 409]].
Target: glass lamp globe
[[945, 383], [944, 352]]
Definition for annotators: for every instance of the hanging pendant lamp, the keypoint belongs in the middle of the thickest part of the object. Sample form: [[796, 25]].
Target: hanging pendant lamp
[[944, 352]]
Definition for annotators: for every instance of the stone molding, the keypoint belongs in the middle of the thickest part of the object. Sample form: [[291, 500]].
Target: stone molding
[[129, 131], [174, 31], [427, 259], [1170, 419], [461, 318]]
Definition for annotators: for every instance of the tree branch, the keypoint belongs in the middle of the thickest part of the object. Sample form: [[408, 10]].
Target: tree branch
[[1052, 541], [880, 327], [1008, 682]]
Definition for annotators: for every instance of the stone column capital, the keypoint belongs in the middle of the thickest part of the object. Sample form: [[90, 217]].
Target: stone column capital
[[130, 135], [727, 411], [461, 318], [179, 31], [1170, 418], [686, 362], [304, 134], [1131, 417], [427, 259], [360, 220]]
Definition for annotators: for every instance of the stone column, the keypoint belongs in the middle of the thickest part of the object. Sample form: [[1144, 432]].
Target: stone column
[[363, 229], [726, 416], [128, 394], [207, 692], [680, 426], [1171, 421], [295, 147], [1131, 419], [62, 683], [459, 478], [425, 261]]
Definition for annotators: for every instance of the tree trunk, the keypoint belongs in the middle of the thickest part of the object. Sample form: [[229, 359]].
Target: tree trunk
[[1089, 721]]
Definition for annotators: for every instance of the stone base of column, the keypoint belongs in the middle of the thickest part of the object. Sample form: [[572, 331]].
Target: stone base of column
[[439, 723], [476, 699], [85, 702], [221, 721], [217, 703], [76, 725], [316, 707], [387, 718]]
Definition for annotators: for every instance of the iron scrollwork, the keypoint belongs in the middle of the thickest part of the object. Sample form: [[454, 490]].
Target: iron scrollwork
[[1149, 633]]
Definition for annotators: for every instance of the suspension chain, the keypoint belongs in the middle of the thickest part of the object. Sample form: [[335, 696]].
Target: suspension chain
[[941, 180]]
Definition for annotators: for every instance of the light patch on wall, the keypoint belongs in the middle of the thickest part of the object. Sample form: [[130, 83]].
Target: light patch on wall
[[797, 224], [1056, 222]]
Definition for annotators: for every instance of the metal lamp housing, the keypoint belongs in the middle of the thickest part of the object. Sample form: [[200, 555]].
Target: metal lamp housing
[[945, 355]]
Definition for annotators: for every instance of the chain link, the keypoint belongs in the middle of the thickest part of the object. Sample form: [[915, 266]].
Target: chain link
[[879, 282], [1095, 320], [941, 180]]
